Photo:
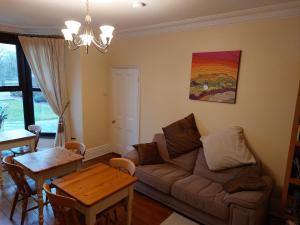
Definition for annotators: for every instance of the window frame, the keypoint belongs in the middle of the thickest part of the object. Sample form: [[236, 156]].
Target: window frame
[[25, 81]]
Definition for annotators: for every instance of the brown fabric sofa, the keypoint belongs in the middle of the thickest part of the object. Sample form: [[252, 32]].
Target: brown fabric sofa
[[188, 186]]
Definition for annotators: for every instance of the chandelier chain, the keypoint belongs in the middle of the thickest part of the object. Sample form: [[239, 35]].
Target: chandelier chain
[[87, 7]]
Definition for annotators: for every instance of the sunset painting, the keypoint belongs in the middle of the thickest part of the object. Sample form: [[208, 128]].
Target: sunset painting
[[214, 76]]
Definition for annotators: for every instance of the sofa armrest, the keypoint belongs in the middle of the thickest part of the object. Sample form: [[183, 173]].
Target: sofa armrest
[[133, 156], [250, 199]]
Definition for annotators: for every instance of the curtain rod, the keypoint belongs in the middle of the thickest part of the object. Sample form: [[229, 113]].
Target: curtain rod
[[32, 35]]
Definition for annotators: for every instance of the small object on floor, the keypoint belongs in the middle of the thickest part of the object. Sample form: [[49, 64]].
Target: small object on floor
[[177, 219]]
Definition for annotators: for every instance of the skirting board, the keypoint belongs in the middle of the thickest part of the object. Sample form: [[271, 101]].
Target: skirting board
[[95, 152]]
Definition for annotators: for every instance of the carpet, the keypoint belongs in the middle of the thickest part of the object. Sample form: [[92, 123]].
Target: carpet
[[176, 219]]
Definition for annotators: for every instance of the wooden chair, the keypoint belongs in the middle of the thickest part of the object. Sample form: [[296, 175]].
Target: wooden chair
[[76, 147], [122, 164], [24, 189], [63, 208], [25, 149], [127, 166]]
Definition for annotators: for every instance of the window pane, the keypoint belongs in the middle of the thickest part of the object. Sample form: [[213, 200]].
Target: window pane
[[44, 116], [11, 109], [8, 65], [34, 81]]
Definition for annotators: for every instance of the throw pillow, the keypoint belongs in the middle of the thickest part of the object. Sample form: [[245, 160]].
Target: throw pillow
[[244, 183], [227, 149], [148, 153], [182, 136]]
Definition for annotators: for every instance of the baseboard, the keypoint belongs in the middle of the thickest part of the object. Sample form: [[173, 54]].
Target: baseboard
[[95, 152]]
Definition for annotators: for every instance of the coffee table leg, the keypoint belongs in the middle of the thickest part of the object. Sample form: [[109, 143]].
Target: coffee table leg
[[39, 188], [90, 217], [129, 205]]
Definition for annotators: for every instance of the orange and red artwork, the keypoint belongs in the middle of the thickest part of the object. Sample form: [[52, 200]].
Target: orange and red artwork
[[214, 76]]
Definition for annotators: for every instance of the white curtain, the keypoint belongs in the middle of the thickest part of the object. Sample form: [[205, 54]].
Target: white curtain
[[46, 59]]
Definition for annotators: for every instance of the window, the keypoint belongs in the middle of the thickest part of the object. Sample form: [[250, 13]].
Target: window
[[20, 94]]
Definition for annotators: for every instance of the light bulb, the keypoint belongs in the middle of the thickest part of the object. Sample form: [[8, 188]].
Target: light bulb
[[67, 34], [107, 30], [73, 26], [86, 39]]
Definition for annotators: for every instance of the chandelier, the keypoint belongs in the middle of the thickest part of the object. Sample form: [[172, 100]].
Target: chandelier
[[86, 37]]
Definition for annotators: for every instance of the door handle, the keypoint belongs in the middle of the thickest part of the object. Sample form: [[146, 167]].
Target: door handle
[[113, 121]]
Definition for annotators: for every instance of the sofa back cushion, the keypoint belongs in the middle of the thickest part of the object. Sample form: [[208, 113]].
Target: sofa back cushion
[[184, 161], [222, 176]]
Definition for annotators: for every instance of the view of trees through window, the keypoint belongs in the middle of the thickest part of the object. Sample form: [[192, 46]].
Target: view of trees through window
[[12, 102]]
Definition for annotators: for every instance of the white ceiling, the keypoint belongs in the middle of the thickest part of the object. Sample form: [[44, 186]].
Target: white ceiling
[[49, 15]]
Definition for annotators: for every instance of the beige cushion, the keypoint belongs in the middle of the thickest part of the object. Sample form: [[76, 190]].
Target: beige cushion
[[160, 176], [202, 194], [184, 161], [226, 148]]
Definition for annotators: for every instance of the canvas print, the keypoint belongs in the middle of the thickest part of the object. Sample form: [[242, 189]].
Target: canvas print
[[214, 76]]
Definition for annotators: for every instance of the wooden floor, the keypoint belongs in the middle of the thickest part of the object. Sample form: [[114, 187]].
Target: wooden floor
[[145, 210]]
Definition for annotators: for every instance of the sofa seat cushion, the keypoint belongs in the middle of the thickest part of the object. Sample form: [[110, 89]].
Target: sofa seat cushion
[[202, 194], [160, 176]]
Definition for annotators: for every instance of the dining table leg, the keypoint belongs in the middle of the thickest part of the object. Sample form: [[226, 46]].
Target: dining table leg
[[32, 145], [39, 189], [129, 204], [90, 217]]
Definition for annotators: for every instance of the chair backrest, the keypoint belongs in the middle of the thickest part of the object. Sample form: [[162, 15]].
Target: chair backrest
[[17, 174], [37, 131], [62, 206], [123, 164], [77, 146]]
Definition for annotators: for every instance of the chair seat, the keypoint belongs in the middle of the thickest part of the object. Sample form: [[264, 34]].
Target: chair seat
[[21, 150]]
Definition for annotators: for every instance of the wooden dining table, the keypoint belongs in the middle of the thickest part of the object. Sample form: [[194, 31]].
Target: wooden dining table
[[96, 188], [13, 139], [46, 164]]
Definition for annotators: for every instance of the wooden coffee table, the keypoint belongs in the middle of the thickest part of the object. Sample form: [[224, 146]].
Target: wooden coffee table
[[13, 139], [96, 188], [43, 165]]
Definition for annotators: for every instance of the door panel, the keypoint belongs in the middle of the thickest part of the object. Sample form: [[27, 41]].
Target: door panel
[[125, 108]]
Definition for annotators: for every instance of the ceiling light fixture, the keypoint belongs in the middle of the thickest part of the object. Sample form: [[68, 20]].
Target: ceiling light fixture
[[76, 39], [138, 4]]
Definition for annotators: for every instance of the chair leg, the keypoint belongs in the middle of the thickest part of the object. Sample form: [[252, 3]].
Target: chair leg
[[14, 205], [24, 208]]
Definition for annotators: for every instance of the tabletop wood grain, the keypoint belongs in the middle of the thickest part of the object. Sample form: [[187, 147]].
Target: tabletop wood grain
[[9, 136], [47, 159], [94, 183]]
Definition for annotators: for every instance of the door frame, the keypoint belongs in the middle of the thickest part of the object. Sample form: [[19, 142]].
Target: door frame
[[139, 97]]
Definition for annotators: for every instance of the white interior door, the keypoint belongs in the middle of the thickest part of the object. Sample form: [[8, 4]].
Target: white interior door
[[124, 129]]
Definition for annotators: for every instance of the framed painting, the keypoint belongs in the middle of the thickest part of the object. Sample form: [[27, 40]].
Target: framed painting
[[214, 76]]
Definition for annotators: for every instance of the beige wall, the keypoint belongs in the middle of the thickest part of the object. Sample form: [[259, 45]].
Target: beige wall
[[94, 94], [72, 69], [268, 81], [87, 84]]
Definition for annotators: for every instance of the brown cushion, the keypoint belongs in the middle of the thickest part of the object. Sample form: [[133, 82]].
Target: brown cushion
[[244, 184], [182, 136], [148, 153], [246, 180], [184, 161]]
